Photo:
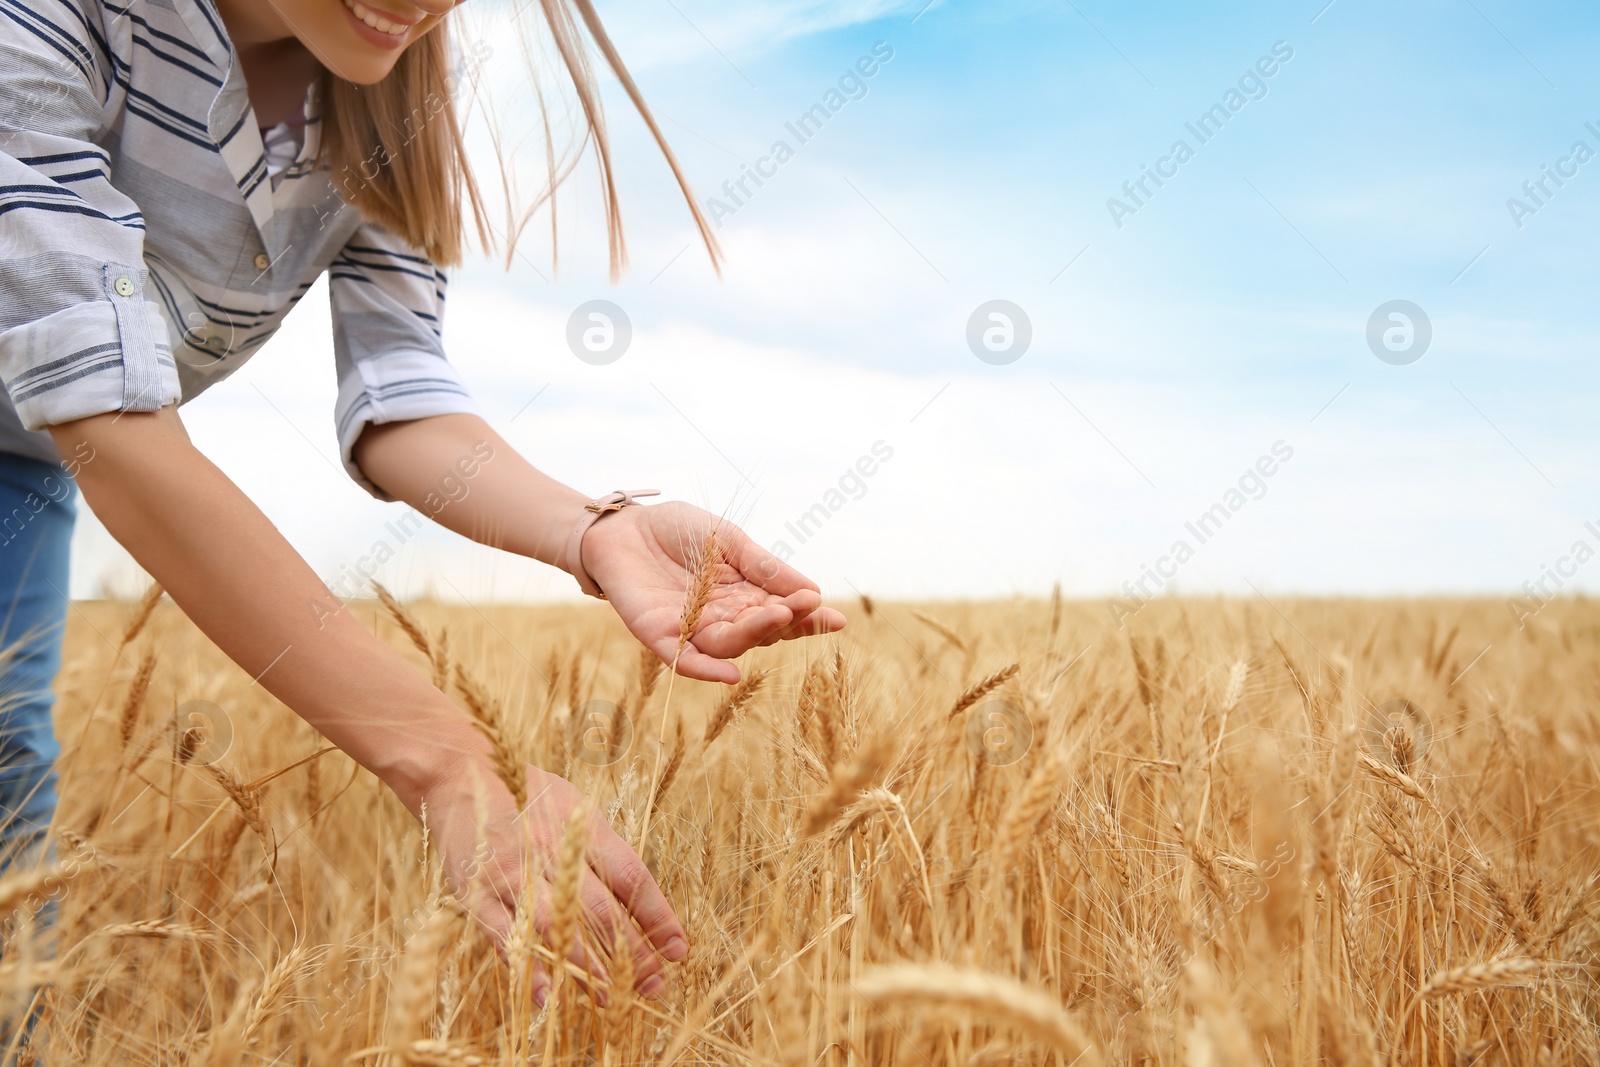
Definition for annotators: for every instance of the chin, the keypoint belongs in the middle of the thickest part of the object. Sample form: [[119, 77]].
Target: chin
[[362, 69]]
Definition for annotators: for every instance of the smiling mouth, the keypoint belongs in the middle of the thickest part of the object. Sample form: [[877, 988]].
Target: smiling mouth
[[375, 20]]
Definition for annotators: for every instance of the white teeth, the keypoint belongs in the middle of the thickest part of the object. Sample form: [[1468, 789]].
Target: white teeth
[[377, 22]]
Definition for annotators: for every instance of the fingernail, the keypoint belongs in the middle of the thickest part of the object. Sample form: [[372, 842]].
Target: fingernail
[[653, 986], [675, 949], [540, 996]]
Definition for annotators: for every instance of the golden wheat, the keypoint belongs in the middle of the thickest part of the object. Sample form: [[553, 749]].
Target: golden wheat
[[1207, 850]]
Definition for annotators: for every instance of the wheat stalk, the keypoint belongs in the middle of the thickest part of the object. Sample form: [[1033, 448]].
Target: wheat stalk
[[485, 712], [405, 620], [1477, 850], [272, 989], [141, 615], [564, 911], [569, 868], [426, 1052], [732, 704], [1022, 818], [1395, 777], [845, 784], [701, 584], [247, 799], [991, 997], [674, 763], [441, 1054], [128, 718], [1476, 976], [16, 889], [414, 987], [983, 688], [157, 930], [1234, 690], [874, 801], [942, 630]]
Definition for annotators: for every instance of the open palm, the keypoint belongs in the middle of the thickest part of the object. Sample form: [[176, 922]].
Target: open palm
[[645, 557]]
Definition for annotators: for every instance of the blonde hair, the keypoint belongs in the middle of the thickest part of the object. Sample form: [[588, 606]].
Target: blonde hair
[[398, 155]]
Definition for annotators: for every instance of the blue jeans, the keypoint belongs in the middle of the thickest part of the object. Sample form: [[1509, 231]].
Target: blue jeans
[[36, 515]]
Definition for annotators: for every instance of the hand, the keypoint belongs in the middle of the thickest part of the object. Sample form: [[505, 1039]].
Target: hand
[[616, 890], [644, 558]]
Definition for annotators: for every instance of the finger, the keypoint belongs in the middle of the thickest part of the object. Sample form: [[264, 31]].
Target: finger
[[587, 962], [609, 924], [701, 667], [635, 889], [732, 637], [802, 602], [759, 566], [493, 917], [821, 621], [692, 663]]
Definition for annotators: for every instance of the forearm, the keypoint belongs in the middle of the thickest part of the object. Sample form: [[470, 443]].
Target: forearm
[[458, 471], [230, 570]]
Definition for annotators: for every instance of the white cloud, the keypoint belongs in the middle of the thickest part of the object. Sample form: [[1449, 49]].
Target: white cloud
[[652, 34], [997, 485]]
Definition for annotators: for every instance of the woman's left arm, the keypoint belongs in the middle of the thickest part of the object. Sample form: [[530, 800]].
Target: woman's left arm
[[458, 471]]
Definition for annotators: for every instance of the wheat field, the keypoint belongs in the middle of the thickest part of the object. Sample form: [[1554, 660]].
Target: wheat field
[[1229, 832]]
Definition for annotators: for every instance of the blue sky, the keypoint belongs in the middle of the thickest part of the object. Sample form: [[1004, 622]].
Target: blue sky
[[1229, 313]]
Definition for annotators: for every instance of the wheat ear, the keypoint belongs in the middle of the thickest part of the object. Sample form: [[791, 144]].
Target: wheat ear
[[569, 871], [698, 595], [942, 630], [984, 688], [1395, 777], [276, 983], [414, 986], [1235, 687], [1031, 805], [1476, 976], [845, 785], [15, 889], [134, 701], [440, 1054], [141, 614], [734, 703], [486, 714], [157, 930], [405, 620], [564, 914], [991, 996], [247, 799]]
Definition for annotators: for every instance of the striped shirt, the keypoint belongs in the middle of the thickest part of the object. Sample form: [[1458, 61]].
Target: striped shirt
[[146, 253]]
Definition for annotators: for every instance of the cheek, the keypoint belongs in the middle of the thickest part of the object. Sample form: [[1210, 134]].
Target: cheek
[[324, 27], [309, 18]]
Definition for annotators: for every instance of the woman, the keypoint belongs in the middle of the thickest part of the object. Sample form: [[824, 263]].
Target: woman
[[174, 175]]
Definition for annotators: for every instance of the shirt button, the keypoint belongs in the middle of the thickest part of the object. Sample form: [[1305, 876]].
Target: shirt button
[[263, 261], [216, 342], [123, 286]]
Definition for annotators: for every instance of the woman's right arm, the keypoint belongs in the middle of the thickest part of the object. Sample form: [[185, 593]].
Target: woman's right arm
[[231, 571]]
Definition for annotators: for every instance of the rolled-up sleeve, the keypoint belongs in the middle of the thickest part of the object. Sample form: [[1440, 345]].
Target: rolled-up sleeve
[[388, 316], [77, 336]]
